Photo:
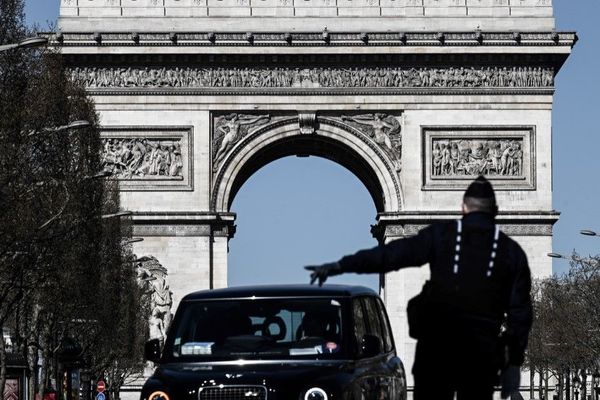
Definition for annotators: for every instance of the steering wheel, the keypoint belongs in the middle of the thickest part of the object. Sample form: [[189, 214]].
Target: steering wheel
[[268, 324]]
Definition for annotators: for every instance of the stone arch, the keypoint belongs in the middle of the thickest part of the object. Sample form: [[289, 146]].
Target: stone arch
[[332, 139]]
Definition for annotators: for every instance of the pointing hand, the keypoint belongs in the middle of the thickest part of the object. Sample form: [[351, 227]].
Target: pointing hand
[[322, 272]]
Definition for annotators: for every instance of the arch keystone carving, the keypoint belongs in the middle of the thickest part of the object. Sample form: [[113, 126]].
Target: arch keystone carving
[[307, 122]]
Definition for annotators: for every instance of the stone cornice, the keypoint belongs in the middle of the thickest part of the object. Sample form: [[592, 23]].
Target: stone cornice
[[517, 223], [311, 39], [171, 224], [447, 215], [317, 91]]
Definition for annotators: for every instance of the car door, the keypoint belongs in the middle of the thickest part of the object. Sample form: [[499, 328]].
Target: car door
[[383, 363], [370, 364], [363, 382], [392, 376]]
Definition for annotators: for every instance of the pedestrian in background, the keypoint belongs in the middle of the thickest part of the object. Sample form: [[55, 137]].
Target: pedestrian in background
[[473, 316]]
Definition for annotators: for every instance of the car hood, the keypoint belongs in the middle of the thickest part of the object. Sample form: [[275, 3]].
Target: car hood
[[244, 372], [280, 376]]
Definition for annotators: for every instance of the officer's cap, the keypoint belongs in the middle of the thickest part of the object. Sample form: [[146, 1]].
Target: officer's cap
[[481, 188]]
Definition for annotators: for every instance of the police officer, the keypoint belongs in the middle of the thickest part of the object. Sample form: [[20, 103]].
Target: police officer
[[472, 319]]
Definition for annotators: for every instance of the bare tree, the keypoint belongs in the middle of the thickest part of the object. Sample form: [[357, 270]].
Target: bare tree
[[65, 274], [565, 338]]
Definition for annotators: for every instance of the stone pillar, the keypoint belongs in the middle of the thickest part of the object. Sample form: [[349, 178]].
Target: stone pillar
[[191, 246], [222, 230]]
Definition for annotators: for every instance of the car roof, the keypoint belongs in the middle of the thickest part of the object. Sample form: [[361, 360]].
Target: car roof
[[281, 291]]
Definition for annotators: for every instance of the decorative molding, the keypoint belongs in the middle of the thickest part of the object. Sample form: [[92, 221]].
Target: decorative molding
[[149, 158], [314, 39], [454, 156], [319, 91], [314, 77], [511, 229], [170, 230], [527, 230], [517, 223], [222, 229]]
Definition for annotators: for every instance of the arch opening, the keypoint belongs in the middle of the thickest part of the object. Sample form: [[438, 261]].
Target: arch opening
[[294, 212], [312, 146], [342, 145]]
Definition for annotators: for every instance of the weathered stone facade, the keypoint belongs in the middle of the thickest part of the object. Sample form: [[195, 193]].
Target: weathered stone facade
[[415, 97]]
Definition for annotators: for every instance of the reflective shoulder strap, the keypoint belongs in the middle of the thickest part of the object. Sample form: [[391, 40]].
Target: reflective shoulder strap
[[457, 247], [494, 250]]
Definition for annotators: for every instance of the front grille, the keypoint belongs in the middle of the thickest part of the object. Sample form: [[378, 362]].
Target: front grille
[[233, 392]]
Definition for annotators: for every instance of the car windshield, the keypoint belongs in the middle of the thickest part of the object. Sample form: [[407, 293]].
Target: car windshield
[[257, 329]]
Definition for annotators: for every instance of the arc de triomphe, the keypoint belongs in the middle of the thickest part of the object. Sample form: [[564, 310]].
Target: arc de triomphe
[[416, 97]]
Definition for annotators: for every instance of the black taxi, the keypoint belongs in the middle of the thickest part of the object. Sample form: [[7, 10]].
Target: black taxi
[[278, 342]]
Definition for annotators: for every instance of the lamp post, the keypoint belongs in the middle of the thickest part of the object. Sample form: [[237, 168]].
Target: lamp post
[[31, 42], [576, 386], [132, 240], [99, 175], [117, 214], [79, 124], [587, 232]]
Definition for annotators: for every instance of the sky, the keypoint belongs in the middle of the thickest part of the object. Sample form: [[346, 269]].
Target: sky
[[298, 211]]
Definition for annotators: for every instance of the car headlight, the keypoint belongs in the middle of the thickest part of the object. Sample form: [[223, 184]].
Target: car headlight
[[158, 395], [315, 394]]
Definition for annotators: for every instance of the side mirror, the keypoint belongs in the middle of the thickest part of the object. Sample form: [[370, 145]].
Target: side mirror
[[152, 350], [371, 346]]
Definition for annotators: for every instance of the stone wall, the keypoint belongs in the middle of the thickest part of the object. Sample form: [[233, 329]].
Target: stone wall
[[235, 15]]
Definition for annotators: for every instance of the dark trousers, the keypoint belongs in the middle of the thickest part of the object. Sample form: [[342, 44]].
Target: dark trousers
[[429, 388], [443, 369]]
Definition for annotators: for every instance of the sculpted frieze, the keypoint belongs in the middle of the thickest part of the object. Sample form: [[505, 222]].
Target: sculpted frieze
[[148, 157], [473, 157], [315, 77], [142, 158], [454, 156]]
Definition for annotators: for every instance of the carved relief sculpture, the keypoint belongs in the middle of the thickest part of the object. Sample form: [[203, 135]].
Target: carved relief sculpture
[[377, 77], [142, 158], [153, 277], [473, 157], [384, 129], [230, 129], [456, 155]]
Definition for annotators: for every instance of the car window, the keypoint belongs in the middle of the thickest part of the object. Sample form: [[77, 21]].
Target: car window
[[257, 329], [360, 328], [373, 319], [386, 330]]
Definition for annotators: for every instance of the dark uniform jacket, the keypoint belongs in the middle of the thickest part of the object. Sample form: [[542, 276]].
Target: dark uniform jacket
[[470, 305]]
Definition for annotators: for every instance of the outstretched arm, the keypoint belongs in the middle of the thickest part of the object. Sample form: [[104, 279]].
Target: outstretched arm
[[363, 120], [246, 121], [413, 251], [401, 253]]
